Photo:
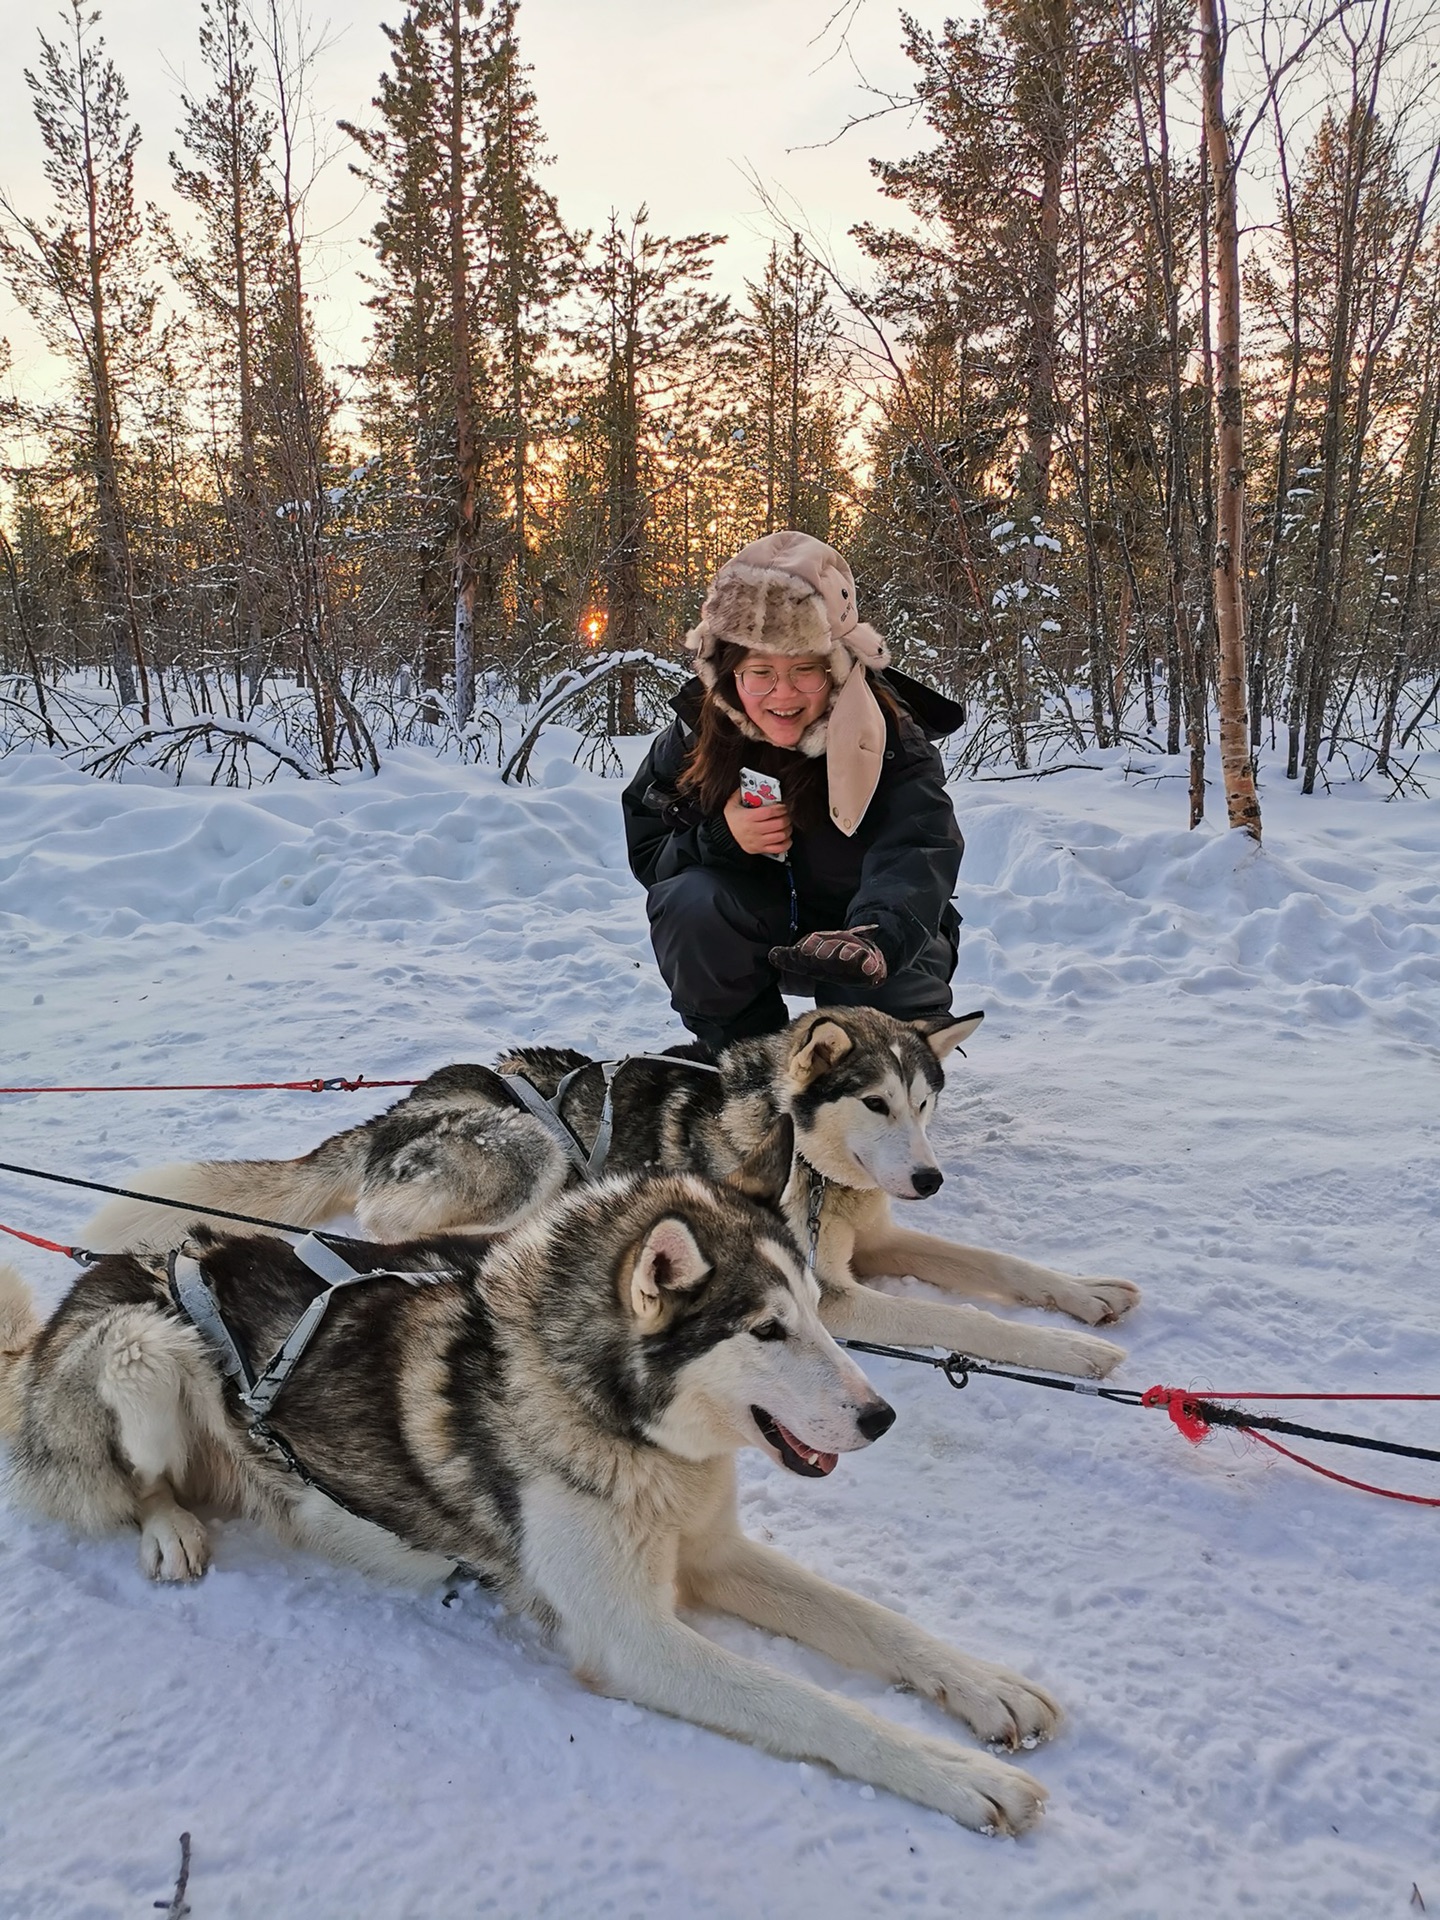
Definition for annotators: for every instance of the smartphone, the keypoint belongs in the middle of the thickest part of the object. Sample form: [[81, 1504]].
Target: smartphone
[[760, 790]]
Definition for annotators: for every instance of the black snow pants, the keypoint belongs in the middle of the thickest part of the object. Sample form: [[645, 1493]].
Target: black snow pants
[[713, 927]]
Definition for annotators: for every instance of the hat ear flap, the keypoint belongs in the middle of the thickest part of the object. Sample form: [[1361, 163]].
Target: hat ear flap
[[855, 752]]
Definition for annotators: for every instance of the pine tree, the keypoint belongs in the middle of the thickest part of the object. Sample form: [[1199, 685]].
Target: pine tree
[[529, 264], [83, 275], [651, 333], [788, 379], [232, 268], [296, 402], [472, 259], [408, 375], [991, 268]]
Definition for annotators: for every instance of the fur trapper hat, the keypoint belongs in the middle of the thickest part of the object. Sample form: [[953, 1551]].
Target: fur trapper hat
[[791, 594]]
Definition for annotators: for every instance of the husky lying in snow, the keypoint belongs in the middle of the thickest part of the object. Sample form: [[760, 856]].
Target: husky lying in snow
[[559, 1410], [860, 1087]]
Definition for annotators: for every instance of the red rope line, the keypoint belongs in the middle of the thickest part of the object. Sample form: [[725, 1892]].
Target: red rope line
[[318, 1085], [1213, 1393], [50, 1246], [1188, 1412], [1363, 1486]]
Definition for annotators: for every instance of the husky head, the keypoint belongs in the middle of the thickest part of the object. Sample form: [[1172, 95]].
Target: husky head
[[862, 1087], [710, 1339]]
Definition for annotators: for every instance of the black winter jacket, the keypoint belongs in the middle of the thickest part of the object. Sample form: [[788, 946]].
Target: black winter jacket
[[896, 872]]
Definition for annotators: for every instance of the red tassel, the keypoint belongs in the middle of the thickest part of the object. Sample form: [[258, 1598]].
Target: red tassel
[[1181, 1408]]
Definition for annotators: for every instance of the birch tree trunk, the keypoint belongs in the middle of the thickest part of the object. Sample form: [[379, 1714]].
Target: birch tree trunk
[[1241, 800], [247, 607], [463, 383], [1047, 25]]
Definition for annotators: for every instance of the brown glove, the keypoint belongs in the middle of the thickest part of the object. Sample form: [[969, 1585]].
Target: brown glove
[[844, 955]]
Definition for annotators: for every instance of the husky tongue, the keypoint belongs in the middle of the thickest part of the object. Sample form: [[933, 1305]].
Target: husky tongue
[[793, 1451], [816, 1461]]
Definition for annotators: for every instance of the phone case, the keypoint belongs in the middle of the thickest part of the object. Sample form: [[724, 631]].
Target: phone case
[[758, 789]]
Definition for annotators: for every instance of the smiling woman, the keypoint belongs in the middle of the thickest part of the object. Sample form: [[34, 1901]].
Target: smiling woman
[[792, 826]]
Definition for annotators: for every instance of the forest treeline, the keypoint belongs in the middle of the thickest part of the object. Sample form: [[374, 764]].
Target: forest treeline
[[1130, 430]]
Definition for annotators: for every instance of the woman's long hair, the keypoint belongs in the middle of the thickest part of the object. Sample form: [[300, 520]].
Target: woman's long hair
[[712, 770]]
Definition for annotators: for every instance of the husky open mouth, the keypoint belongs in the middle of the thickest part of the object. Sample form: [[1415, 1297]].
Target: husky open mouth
[[793, 1453]]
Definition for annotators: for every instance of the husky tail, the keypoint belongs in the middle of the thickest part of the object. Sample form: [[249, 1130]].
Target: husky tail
[[19, 1326], [296, 1193]]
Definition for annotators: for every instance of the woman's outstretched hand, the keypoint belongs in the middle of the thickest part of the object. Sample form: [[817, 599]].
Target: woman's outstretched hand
[[758, 829]]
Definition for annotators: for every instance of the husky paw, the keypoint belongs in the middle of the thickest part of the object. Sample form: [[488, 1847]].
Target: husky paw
[[1003, 1708], [173, 1546], [984, 1794], [1078, 1353], [1097, 1302]]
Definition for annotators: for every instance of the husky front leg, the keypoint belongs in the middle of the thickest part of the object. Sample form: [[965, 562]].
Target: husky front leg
[[891, 1249], [733, 1574], [618, 1625], [854, 1312]]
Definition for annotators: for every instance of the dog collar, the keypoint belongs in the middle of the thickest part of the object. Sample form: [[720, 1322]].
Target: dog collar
[[815, 1185]]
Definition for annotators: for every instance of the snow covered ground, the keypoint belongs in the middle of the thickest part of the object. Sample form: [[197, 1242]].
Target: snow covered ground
[[1213, 1069]]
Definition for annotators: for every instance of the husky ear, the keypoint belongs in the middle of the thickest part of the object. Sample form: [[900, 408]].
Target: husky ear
[[764, 1173], [945, 1031], [667, 1261], [827, 1044]]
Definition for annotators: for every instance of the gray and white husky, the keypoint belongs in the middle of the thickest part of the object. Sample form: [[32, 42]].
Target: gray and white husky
[[558, 1410], [860, 1087]]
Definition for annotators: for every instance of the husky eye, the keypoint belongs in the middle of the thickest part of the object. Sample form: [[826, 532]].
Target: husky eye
[[771, 1330], [876, 1104]]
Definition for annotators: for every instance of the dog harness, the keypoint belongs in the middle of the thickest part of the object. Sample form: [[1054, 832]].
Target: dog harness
[[190, 1291], [191, 1294], [589, 1165]]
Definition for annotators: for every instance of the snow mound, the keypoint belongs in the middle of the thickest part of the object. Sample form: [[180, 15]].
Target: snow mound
[[1074, 919]]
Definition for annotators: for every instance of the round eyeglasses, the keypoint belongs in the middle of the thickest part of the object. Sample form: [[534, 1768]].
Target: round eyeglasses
[[808, 676]]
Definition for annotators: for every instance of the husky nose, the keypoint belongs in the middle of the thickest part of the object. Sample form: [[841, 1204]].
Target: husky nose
[[927, 1180], [876, 1420]]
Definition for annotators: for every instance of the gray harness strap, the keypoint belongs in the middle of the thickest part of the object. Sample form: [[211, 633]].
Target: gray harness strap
[[544, 1111], [590, 1165], [190, 1291], [327, 1265], [600, 1149]]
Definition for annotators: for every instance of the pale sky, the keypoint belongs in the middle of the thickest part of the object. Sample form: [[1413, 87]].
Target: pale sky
[[665, 102]]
